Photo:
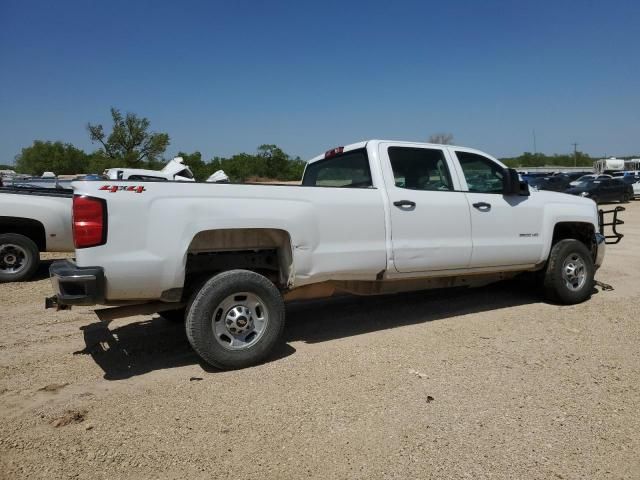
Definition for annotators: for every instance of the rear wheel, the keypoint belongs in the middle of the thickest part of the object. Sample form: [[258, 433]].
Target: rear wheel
[[236, 319], [569, 275], [19, 257], [625, 198]]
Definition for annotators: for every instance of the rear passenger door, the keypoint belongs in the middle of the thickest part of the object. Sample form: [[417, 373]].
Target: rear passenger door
[[429, 215]]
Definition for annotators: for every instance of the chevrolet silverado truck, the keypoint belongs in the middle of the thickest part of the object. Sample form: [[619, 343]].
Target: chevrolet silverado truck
[[32, 220], [374, 217]]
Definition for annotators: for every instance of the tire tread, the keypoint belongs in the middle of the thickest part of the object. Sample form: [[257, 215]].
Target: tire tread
[[198, 319], [552, 283], [31, 248]]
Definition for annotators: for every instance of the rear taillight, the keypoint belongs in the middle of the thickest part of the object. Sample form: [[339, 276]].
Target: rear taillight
[[89, 221]]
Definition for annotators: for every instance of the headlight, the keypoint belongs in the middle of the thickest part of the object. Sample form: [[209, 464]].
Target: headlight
[[584, 194]]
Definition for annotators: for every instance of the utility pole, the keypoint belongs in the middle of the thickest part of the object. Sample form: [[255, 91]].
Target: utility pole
[[535, 150], [575, 154]]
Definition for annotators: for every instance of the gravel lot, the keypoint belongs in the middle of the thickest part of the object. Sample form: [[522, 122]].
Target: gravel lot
[[486, 383]]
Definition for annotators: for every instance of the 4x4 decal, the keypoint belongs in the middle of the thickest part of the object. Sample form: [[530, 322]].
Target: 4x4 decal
[[123, 188]]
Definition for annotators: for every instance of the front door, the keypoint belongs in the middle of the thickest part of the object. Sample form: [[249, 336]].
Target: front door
[[430, 222], [507, 230]]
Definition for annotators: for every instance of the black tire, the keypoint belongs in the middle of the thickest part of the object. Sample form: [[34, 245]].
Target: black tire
[[174, 316], [19, 257], [556, 280], [625, 198], [207, 312]]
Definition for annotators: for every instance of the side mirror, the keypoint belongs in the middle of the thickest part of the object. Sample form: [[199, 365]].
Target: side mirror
[[513, 185]]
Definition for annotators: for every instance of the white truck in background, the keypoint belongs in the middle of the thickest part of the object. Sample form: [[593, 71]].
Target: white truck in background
[[32, 220], [174, 170], [373, 217]]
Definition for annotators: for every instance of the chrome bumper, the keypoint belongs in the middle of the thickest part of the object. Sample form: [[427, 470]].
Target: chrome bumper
[[75, 285]]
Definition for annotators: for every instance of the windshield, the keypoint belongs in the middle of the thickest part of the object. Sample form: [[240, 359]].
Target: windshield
[[586, 182], [184, 173], [585, 178]]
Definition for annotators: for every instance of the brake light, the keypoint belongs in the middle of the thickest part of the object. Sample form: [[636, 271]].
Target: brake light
[[333, 152], [89, 221]]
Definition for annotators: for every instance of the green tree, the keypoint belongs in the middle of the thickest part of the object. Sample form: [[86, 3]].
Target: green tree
[[98, 162], [296, 168], [274, 161], [130, 141], [441, 138], [528, 159], [60, 158], [269, 162]]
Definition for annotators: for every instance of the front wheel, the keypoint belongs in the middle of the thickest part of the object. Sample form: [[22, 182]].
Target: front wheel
[[569, 275], [19, 257], [236, 319]]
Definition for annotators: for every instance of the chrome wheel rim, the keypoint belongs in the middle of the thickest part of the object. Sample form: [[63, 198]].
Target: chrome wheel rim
[[239, 321], [574, 272], [13, 258]]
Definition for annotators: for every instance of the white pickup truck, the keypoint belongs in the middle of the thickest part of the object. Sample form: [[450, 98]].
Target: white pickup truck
[[174, 170], [32, 220], [374, 217]]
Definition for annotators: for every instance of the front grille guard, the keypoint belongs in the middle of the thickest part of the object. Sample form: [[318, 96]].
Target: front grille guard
[[613, 237]]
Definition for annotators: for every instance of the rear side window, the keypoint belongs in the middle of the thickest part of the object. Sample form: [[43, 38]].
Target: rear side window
[[349, 170], [420, 169]]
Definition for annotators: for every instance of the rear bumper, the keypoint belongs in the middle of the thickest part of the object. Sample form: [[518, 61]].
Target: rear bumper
[[73, 285], [600, 247]]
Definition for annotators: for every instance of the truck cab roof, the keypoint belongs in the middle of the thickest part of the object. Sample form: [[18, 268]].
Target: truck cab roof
[[375, 142]]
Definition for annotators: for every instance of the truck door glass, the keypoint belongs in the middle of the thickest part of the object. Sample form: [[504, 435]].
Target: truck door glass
[[420, 168], [483, 175], [349, 170]]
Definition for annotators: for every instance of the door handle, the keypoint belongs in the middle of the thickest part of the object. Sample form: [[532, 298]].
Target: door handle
[[404, 203], [482, 206]]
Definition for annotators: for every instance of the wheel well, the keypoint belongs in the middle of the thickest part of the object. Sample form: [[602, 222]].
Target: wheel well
[[584, 232], [32, 229], [263, 250]]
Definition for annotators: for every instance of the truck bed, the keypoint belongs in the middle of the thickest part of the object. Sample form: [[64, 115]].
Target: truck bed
[[38, 191]]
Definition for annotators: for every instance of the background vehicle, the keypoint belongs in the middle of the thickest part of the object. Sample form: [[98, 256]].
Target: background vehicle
[[634, 181], [32, 220], [603, 190], [174, 170], [369, 218], [554, 183], [571, 176], [590, 177]]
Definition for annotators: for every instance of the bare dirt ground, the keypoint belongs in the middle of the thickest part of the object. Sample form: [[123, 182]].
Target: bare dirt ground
[[488, 383]]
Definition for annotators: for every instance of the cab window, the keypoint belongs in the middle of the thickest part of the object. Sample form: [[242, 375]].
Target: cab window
[[420, 169], [348, 170], [483, 175]]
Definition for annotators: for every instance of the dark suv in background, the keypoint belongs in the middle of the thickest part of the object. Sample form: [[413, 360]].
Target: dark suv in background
[[603, 190]]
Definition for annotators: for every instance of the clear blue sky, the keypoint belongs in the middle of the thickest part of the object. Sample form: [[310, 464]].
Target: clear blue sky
[[226, 76]]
